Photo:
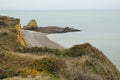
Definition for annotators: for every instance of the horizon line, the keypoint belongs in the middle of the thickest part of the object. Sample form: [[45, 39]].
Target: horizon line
[[53, 9]]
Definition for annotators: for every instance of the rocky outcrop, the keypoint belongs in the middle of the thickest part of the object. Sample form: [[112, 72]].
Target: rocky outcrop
[[10, 29], [32, 25], [55, 29], [19, 34]]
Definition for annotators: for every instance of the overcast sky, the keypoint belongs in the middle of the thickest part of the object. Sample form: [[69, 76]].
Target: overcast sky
[[58, 4]]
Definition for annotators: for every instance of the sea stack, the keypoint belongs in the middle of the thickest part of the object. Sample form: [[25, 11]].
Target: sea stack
[[32, 25]]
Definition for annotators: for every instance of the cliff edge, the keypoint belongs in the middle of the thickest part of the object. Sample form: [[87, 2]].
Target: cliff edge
[[10, 33]]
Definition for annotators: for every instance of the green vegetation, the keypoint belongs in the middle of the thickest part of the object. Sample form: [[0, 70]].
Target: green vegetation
[[39, 50], [8, 39], [66, 67], [78, 50], [4, 73], [9, 33], [49, 65]]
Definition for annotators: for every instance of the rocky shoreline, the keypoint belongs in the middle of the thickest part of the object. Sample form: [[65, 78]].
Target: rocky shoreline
[[56, 29]]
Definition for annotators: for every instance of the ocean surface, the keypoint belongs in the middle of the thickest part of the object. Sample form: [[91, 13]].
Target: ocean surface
[[99, 28]]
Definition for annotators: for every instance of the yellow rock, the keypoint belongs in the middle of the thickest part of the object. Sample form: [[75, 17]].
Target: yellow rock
[[19, 34], [31, 25]]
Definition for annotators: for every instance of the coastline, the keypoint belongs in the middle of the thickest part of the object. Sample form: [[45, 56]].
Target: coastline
[[80, 61], [38, 39]]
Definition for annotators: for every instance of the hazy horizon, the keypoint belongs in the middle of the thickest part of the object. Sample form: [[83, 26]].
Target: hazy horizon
[[60, 5]]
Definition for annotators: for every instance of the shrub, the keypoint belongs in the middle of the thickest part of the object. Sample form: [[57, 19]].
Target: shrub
[[24, 72], [52, 77], [8, 40], [3, 74], [7, 72], [79, 50], [39, 50], [49, 65], [79, 75]]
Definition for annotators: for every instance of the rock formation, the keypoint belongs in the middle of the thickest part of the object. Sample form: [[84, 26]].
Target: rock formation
[[32, 25], [56, 29], [19, 34], [10, 28]]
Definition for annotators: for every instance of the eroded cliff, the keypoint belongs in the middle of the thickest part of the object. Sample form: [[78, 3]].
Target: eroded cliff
[[10, 33], [19, 34]]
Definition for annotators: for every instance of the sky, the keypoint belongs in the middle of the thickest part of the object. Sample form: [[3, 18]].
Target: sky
[[58, 4]]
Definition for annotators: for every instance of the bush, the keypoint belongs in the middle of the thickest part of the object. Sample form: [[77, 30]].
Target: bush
[[49, 65], [24, 72], [79, 75], [79, 50], [4, 73], [39, 50], [8, 40]]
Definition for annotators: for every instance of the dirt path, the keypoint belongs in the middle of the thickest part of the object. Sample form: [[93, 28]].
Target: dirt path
[[38, 39]]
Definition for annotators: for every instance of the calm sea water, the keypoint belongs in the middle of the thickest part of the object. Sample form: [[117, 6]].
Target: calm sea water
[[100, 28]]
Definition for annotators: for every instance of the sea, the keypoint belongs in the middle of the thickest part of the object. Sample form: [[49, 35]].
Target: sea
[[101, 28]]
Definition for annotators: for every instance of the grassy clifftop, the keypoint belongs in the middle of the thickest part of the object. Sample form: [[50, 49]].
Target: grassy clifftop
[[10, 33], [80, 62]]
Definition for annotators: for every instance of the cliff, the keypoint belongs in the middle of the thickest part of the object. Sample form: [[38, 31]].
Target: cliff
[[19, 34], [10, 33]]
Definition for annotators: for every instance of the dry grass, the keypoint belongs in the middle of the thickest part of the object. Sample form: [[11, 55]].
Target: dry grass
[[87, 59], [10, 60], [30, 78], [8, 39], [91, 65]]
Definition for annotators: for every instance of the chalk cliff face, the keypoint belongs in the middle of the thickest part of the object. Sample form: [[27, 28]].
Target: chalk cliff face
[[10, 32], [32, 25]]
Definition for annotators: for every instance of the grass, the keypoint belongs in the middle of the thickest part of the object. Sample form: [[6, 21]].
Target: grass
[[39, 50], [10, 60], [89, 64], [49, 65], [8, 39]]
